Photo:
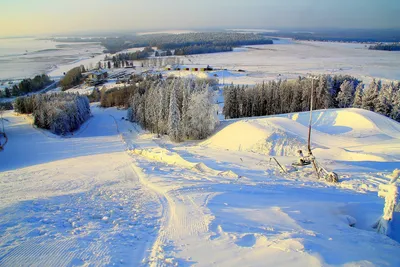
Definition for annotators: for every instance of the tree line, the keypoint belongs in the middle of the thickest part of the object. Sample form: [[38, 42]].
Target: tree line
[[177, 41], [60, 113], [386, 47], [277, 97], [180, 108], [201, 49], [27, 86], [137, 55]]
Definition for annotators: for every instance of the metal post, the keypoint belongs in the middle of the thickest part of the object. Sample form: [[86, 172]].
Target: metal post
[[311, 108], [309, 131]]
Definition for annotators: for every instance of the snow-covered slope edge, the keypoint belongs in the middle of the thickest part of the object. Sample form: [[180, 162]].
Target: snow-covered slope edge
[[342, 134]]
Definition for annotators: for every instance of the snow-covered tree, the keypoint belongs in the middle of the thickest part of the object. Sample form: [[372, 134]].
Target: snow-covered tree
[[345, 95], [174, 117], [370, 98], [358, 96], [395, 114], [384, 104], [203, 114]]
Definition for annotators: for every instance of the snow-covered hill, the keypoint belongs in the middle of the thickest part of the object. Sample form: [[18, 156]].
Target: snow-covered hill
[[338, 134], [112, 194]]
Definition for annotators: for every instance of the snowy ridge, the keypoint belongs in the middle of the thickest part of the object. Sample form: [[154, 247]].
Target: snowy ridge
[[346, 134]]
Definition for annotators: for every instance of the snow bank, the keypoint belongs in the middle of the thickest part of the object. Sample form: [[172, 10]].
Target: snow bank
[[256, 136], [343, 134], [172, 158], [350, 122]]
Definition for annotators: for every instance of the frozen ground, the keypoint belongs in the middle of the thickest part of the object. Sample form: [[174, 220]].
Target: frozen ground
[[112, 194], [289, 59]]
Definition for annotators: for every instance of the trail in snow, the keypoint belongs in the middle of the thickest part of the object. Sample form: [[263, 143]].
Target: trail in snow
[[114, 207], [68, 209], [263, 218]]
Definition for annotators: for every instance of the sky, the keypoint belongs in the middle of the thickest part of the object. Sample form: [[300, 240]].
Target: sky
[[40, 17]]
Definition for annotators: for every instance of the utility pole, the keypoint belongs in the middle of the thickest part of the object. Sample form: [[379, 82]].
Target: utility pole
[[309, 126]]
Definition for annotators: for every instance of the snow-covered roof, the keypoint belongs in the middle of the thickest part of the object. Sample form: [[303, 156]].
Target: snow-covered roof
[[96, 72], [190, 66]]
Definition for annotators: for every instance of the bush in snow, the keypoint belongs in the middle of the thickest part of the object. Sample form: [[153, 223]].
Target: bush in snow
[[59, 113]]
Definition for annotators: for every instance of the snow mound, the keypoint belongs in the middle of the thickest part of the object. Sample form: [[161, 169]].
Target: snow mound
[[172, 158], [350, 122], [344, 134], [163, 155], [201, 167], [229, 174], [258, 136]]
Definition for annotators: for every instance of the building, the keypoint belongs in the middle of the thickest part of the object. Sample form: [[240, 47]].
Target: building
[[189, 67], [96, 76]]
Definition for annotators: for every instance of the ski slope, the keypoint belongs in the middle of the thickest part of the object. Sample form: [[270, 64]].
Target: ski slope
[[72, 201], [113, 194]]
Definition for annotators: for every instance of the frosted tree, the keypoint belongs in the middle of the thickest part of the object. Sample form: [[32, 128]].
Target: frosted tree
[[295, 106], [345, 95], [370, 98], [395, 114], [324, 89], [358, 96], [174, 118], [203, 114], [163, 110], [185, 115], [384, 103]]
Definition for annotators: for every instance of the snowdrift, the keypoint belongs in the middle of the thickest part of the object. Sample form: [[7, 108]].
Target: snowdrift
[[172, 158], [343, 134], [258, 136]]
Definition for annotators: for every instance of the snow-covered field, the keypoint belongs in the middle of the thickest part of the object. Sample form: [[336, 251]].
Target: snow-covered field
[[112, 194], [289, 59]]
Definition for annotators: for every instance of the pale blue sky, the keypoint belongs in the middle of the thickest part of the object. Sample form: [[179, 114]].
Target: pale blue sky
[[58, 16]]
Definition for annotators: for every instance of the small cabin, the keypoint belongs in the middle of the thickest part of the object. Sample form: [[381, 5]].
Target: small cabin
[[96, 76]]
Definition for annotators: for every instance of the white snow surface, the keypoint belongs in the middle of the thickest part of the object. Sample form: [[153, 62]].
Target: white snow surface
[[112, 194], [288, 59]]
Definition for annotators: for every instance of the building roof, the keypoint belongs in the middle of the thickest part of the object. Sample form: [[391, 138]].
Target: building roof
[[96, 72]]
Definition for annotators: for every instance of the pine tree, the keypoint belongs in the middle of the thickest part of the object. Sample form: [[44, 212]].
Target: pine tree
[[345, 95], [395, 114], [184, 114], [15, 90], [358, 96], [384, 104], [203, 114], [174, 118], [7, 92], [370, 98], [295, 106]]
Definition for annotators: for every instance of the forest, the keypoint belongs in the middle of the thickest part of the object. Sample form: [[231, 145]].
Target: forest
[[386, 47], [183, 109], [60, 113], [201, 49], [340, 35], [294, 96], [26, 86], [212, 40]]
